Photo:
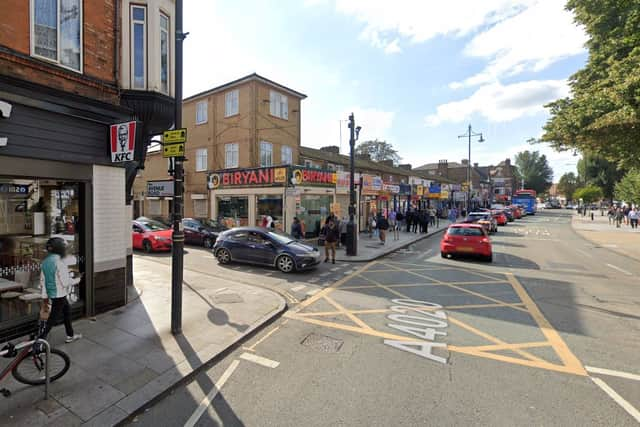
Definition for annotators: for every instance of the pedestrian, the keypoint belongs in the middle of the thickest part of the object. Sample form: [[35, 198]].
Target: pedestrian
[[372, 225], [400, 220], [619, 217], [55, 285], [611, 213], [633, 217], [409, 219], [393, 224], [415, 221], [296, 229], [383, 226], [438, 215], [331, 236]]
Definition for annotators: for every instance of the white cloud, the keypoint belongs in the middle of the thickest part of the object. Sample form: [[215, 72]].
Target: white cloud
[[534, 39], [392, 47], [501, 103]]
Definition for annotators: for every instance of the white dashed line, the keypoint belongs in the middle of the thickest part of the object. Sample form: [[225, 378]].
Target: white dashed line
[[260, 360], [326, 273], [621, 270], [612, 373], [617, 398], [298, 288]]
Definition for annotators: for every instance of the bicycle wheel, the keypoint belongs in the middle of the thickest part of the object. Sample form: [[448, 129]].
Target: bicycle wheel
[[31, 370]]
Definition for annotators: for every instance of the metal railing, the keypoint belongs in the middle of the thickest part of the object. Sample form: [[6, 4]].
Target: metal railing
[[47, 347]]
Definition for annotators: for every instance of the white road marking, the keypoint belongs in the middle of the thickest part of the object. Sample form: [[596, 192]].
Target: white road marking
[[204, 404], [584, 253], [619, 269], [335, 269], [312, 292], [617, 398], [326, 273], [259, 360], [612, 373], [298, 288]]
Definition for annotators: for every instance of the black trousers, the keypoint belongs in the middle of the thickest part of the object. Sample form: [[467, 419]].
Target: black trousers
[[60, 307]]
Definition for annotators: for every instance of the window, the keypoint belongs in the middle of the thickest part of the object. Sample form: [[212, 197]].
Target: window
[[201, 112], [279, 105], [56, 31], [164, 53], [200, 209], [339, 168], [231, 103], [285, 155], [138, 47], [266, 154], [201, 159], [308, 163], [231, 156], [155, 207]]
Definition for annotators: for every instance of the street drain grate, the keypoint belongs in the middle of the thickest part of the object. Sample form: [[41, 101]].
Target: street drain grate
[[322, 343]]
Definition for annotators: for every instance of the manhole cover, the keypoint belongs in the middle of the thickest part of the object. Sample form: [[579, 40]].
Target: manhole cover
[[226, 299], [322, 343]]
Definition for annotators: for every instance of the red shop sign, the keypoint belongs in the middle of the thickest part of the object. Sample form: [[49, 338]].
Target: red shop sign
[[248, 177], [302, 176]]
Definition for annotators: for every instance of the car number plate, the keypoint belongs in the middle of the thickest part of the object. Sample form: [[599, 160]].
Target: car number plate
[[465, 249]]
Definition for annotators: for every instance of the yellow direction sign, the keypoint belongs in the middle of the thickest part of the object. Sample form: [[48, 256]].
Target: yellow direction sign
[[173, 150], [174, 136]]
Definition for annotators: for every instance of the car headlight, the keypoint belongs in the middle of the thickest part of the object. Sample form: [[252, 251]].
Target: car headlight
[[311, 254]]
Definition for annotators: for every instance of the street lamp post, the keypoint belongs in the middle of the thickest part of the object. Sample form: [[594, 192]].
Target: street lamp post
[[352, 236], [468, 135]]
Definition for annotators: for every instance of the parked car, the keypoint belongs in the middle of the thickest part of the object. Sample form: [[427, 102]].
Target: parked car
[[508, 211], [150, 235], [466, 239], [500, 217], [202, 232], [262, 246], [483, 218], [518, 212]]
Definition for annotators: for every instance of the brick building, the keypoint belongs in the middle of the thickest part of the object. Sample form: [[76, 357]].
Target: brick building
[[68, 71]]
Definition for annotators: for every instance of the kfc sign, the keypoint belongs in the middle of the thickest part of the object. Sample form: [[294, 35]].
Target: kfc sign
[[123, 141]]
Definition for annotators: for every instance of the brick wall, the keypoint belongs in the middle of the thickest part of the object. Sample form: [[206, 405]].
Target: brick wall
[[97, 80]]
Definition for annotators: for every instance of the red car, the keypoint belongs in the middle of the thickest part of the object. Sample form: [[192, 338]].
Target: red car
[[500, 217], [517, 212], [150, 235], [466, 239]]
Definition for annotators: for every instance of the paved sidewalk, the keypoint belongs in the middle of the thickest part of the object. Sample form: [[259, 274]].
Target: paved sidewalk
[[370, 248], [128, 356], [624, 240]]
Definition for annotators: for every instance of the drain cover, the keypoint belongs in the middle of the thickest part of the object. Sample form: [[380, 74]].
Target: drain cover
[[322, 343], [226, 299]]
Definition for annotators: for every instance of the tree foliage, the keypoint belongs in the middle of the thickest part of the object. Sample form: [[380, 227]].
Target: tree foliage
[[534, 169], [598, 171], [628, 189], [603, 114], [588, 194], [378, 150], [568, 184]]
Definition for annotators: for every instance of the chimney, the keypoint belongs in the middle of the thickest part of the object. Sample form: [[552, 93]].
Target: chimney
[[443, 168], [465, 162], [475, 165], [388, 163], [363, 156], [507, 162], [331, 149], [406, 166]]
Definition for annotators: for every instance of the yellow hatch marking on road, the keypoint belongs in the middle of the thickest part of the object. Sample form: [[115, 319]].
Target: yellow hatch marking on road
[[349, 328], [412, 285], [497, 347], [344, 311], [560, 347], [386, 310]]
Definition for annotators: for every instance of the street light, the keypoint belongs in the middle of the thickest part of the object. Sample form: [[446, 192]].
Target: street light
[[352, 237], [468, 135]]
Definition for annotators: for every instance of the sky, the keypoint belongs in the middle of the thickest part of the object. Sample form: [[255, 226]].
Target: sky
[[415, 73]]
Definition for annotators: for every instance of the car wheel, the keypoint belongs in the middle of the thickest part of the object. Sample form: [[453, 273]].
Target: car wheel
[[489, 258], [443, 255], [146, 246], [285, 263], [223, 256], [208, 243]]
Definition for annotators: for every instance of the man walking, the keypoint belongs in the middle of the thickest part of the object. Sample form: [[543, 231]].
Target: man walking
[[330, 239]]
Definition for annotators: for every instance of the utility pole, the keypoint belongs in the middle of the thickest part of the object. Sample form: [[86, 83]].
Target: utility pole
[[177, 260], [468, 135], [352, 232]]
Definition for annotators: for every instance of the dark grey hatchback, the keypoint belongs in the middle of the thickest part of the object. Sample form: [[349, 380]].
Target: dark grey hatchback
[[262, 246]]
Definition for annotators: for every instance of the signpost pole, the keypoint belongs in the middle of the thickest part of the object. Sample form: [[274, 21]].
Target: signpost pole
[[177, 261], [352, 232]]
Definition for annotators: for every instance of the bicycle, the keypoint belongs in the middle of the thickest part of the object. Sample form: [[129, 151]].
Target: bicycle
[[28, 366]]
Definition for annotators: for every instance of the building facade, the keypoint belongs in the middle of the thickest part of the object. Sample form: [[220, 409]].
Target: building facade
[[62, 87]]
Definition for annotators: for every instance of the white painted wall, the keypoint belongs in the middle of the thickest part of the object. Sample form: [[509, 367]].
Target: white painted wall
[[154, 7], [111, 225]]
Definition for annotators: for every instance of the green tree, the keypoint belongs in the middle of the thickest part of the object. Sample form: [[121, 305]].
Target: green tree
[[602, 115], [378, 150], [534, 169], [588, 194], [628, 189], [568, 184], [596, 170]]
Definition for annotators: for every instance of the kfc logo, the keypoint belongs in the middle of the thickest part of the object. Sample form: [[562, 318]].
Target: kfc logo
[[123, 138]]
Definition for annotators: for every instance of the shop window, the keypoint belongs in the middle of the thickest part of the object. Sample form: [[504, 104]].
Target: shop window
[[266, 154], [233, 211], [155, 207], [269, 206], [312, 211], [56, 32], [201, 159], [31, 212], [200, 208], [231, 99]]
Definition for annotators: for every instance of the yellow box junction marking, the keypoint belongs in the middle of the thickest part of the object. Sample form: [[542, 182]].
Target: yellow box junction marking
[[570, 363]]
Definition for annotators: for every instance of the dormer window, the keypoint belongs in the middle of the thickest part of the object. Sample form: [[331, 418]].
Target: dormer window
[[138, 47], [56, 32]]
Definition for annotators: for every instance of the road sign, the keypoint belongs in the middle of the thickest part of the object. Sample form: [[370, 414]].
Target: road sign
[[174, 136], [173, 150]]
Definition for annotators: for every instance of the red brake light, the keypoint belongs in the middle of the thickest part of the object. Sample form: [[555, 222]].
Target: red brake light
[[484, 240]]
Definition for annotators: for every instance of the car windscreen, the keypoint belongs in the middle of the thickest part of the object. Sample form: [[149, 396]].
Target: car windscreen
[[477, 217], [464, 231], [153, 225], [280, 237]]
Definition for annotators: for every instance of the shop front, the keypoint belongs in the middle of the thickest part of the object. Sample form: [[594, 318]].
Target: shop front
[[243, 197], [371, 202], [159, 200], [315, 198]]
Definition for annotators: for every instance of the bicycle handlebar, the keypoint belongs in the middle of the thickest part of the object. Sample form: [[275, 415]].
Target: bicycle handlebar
[[12, 348]]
